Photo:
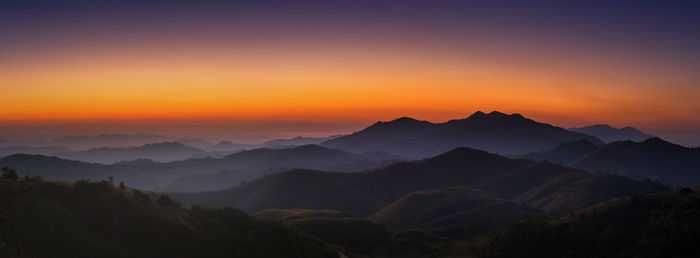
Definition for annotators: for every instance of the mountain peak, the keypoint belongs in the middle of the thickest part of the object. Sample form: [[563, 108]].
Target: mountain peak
[[493, 115], [610, 134], [401, 122], [656, 141], [404, 119]]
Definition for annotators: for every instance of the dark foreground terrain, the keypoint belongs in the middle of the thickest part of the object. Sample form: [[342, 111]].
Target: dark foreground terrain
[[98, 219]]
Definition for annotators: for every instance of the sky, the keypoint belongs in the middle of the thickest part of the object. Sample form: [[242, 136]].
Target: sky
[[283, 68]]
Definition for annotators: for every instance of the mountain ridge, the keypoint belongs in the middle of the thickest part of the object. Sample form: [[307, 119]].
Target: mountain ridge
[[610, 134], [548, 186], [494, 132]]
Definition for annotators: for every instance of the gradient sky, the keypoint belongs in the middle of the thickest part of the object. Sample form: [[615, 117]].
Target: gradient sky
[[324, 67]]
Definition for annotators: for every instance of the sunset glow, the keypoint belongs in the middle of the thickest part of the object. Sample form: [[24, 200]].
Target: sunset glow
[[314, 64]]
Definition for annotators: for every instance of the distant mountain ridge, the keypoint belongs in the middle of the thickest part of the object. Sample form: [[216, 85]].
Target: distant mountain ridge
[[552, 188], [271, 144], [43, 150], [160, 152], [653, 158], [494, 132], [609, 134], [220, 172]]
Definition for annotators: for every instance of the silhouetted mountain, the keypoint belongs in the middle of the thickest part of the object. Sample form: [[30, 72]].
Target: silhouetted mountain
[[455, 212], [194, 142], [653, 158], [221, 172], [553, 188], [160, 152], [230, 147], [108, 140], [297, 141], [648, 225], [356, 236], [611, 134], [273, 144], [565, 153], [248, 165], [494, 132], [48, 151], [44, 219]]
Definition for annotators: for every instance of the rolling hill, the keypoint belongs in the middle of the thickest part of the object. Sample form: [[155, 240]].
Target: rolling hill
[[645, 225], [454, 212], [45, 219], [550, 187], [360, 237], [494, 132], [202, 174], [611, 134], [652, 158], [159, 152], [46, 150]]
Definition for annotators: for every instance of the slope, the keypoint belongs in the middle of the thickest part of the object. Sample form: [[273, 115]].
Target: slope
[[45, 219], [494, 132]]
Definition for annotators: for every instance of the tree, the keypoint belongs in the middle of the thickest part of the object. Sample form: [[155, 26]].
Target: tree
[[8, 173], [165, 201]]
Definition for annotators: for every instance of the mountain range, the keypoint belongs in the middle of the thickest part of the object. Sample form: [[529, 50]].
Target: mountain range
[[218, 173], [552, 188], [494, 132], [652, 158], [272, 144], [611, 134], [159, 152]]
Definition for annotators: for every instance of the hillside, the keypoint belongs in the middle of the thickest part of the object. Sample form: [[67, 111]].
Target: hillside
[[159, 152], [271, 144], [652, 158], [611, 134], [47, 150], [647, 225], [46, 219], [454, 212], [360, 237], [494, 132], [553, 188], [247, 165]]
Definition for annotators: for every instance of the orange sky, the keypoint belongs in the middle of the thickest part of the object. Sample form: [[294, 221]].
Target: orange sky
[[344, 65], [336, 84]]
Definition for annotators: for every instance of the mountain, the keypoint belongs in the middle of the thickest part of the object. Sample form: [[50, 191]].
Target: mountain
[[108, 140], [194, 142], [354, 236], [198, 174], [565, 153], [360, 237], [611, 134], [246, 165], [494, 132], [229, 146], [652, 158], [160, 152], [454, 212], [644, 225], [297, 141], [272, 144], [550, 187], [48, 150], [84, 219]]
